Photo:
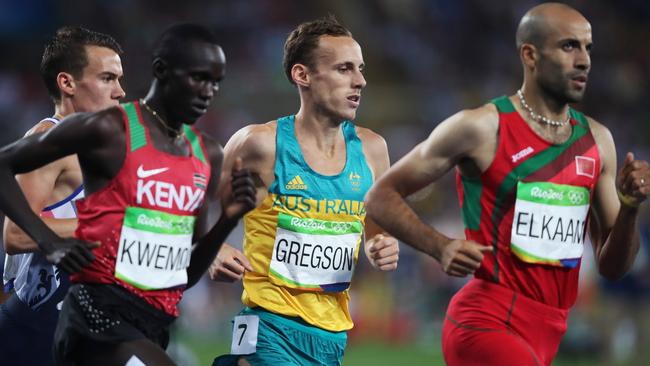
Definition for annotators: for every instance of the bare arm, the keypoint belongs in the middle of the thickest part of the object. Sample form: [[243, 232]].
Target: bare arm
[[613, 227], [457, 138], [80, 134], [38, 187], [237, 197], [381, 249], [254, 145]]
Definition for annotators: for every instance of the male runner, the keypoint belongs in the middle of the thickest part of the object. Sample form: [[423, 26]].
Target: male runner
[[82, 71], [531, 172], [146, 174], [301, 243]]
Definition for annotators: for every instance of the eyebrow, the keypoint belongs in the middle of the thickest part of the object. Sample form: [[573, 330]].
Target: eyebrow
[[350, 64], [110, 73]]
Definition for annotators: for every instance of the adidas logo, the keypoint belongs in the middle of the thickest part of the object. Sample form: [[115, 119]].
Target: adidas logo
[[296, 183]]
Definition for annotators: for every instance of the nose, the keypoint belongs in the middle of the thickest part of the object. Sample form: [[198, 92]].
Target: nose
[[359, 81], [119, 91], [209, 89], [583, 59]]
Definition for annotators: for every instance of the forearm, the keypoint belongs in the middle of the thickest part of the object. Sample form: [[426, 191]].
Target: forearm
[[207, 248], [619, 250], [17, 241], [391, 212], [15, 206]]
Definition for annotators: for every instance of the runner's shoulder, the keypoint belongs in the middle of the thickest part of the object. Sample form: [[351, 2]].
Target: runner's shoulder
[[258, 139], [477, 122], [596, 127], [42, 126], [373, 141]]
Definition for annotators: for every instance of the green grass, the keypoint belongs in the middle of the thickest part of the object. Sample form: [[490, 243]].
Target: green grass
[[360, 354]]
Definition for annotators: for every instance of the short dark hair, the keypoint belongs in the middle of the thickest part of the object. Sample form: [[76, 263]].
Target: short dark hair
[[302, 41], [171, 45], [66, 52]]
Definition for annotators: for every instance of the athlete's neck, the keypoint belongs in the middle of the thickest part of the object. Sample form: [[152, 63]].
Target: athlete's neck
[[318, 131], [544, 104], [64, 107], [156, 101], [154, 106]]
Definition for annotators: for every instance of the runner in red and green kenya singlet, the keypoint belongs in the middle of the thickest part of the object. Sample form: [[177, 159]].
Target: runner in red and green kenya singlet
[[531, 206], [144, 217]]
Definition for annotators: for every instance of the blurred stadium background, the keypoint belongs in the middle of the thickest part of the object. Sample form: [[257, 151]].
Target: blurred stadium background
[[425, 60]]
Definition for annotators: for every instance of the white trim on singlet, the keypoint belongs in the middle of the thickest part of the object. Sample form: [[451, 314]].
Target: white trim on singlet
[[52, 119]]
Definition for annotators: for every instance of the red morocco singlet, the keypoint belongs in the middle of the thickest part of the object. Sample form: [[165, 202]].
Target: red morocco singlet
[[531, 205], [144, 218]]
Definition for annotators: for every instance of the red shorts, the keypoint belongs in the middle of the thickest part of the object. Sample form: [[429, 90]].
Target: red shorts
[[488, 324]]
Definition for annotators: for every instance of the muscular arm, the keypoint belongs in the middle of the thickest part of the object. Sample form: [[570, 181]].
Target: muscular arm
[[253, 145], [613, 226], [38, 187], [81, 133], [459, 137], [237, 197]]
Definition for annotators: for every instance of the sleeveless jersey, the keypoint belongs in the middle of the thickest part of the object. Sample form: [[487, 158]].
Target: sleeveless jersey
[[303, 240], [144, 217], [531, 206], [34, 280]]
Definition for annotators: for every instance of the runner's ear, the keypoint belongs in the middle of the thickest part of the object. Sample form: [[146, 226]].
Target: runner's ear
[[160, 68]]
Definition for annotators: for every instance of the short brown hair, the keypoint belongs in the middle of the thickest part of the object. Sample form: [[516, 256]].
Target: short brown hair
[[66, 52], [302, 41]]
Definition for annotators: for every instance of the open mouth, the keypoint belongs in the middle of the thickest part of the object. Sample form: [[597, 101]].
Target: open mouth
[[354, 98]]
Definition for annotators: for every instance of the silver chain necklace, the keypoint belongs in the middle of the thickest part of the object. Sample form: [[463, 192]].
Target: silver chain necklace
[[539, 117]]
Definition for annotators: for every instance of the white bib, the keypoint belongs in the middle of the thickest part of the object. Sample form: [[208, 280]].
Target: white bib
[[314, 255], [154, 249], [548, 226], [244, 334]]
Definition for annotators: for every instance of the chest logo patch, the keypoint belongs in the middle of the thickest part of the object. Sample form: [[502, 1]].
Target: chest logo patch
[[585, 166], [296, 183]]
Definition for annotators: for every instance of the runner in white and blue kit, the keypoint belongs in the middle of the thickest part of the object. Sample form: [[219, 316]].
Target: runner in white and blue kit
[[82, 71]]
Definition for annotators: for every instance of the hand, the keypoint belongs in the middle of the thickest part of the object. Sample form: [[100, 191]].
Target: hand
[[462, 257], [633, 180], [383, 252], [229, 265], [241, 197], [70, 254]]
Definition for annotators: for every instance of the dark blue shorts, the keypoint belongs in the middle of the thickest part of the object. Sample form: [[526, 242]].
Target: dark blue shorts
[[26, 335]]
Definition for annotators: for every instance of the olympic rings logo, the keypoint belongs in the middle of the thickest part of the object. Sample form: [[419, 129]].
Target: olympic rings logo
[[576, 197], [341, 227]]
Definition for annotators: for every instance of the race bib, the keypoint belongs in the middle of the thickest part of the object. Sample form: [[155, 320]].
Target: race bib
[[548, 226], [154, 249], [244, 334], [314, 255]]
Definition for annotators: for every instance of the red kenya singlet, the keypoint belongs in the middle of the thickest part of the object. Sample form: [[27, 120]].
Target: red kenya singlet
[[144, 218], [531, 205]]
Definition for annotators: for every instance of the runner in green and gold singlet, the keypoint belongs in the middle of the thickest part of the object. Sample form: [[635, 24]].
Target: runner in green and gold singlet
[[305, 235], [302, 243]]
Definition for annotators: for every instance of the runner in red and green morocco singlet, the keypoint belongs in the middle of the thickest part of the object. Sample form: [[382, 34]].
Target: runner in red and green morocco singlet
[[531, 206], [533, 176], [151, 183]]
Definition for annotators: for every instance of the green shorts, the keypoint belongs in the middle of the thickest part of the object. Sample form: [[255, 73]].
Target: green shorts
[[282, 340]]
